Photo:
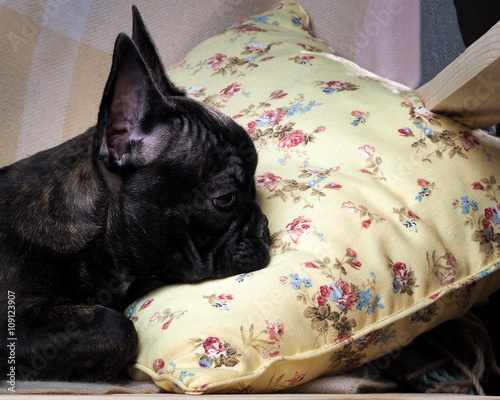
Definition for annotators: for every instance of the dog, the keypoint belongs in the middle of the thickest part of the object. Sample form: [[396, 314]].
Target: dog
[[161, 186]]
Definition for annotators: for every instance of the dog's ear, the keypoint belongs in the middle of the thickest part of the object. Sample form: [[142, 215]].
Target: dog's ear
[[123, 136], [147, 48]]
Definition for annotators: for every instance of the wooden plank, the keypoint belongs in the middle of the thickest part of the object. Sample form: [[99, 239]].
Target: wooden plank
[[469, 88]]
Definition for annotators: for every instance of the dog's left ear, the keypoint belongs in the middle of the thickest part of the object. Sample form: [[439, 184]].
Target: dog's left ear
[[131, 98], [147, 48]]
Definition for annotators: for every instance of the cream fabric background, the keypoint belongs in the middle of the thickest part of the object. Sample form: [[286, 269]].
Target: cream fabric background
[[55, 54]]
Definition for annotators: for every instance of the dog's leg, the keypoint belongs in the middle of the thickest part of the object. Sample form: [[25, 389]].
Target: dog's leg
[[74, 342]]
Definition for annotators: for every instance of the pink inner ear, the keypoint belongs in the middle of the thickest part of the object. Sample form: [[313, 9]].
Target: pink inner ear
[[116, 140], [126, 109]]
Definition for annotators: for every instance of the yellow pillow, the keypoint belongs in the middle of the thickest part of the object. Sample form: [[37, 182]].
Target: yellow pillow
[[385, 219]]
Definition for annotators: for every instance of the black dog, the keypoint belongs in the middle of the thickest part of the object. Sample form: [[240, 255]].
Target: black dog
[[162, 185]]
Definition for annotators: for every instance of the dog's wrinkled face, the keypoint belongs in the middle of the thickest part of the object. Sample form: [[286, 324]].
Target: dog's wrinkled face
[[193, 165]]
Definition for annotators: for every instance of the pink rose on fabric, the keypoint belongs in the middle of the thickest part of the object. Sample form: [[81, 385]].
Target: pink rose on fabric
[[273, 350], [477, 186], [357, 113], [275, 329], [268, 181], [292, 139], [334, 185], [298, 377], [411, 214], [450, 259], [278, 94], [166, 325], [299, 227], [405, 132], [247, 29], [488, 214], [366, 224], [158, 365], [366, 151], [154, 319], [225, 297], [424, 113], [423, 182], [469, 141], [268, 118], [448, 277], [343, 295], [251, 127], [315, 170], [146, 304], [351, 253], [325, 291], [348, 206], [234, 89], [256, 47], [214, 348], [310, 265], [194, 90], [401, 272], [355, 263], [215, 61], [336, 84]]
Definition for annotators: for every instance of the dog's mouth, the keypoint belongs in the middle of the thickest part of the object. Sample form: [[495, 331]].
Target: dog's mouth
[[242, 248]]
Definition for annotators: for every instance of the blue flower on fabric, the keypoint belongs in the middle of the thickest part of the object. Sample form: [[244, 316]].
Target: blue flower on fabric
[[365, 298], [295, 281], [294, 109], [262, 18], [395, 286], [296, 22], [204, 363], [328, 90], [465, 204], [307, 282]]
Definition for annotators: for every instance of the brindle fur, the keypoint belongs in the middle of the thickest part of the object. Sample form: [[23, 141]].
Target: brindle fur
[[132, 197]]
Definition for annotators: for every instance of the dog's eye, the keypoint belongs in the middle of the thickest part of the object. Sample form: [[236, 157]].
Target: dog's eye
[[224, 203]]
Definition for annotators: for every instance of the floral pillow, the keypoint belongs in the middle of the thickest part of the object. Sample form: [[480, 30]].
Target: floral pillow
[[385, 219]]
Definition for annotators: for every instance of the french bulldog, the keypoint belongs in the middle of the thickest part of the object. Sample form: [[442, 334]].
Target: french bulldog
[[162, 186]]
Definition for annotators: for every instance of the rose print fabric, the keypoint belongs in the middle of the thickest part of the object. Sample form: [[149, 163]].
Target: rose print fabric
[[385, 219]]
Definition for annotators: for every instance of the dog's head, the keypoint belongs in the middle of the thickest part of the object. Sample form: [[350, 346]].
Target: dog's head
[[184, 173]]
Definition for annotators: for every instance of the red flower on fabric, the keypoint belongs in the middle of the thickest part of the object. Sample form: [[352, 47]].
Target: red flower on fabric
[[158, 365], [234, 89], [275, 329], [214, 348], [366, 224], [343, 295], [423, 182], [299, 227], [292, 139], [268, 181], [215, 61]]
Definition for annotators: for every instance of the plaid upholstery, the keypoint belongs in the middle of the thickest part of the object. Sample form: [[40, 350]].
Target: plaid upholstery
[[55, 55]]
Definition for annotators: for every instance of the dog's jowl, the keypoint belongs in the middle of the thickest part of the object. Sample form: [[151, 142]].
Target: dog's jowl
[[162, 186]]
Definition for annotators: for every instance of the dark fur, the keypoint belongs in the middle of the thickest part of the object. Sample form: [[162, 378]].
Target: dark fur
[[161, 186]]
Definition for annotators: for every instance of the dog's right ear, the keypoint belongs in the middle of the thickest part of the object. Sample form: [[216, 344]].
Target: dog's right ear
[[147, 48]]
